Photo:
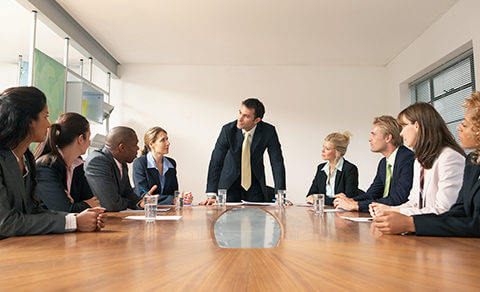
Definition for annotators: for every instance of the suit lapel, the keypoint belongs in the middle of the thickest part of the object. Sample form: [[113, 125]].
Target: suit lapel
[[257, 136], [14, 178], [153, 174], [337, 179], [116, 171]]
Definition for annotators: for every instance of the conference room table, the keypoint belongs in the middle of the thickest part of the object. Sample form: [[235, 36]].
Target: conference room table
[[313, 253]]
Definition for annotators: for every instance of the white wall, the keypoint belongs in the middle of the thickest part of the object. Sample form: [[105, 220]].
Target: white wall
[[455, 32], [304, 103], [8, 76]]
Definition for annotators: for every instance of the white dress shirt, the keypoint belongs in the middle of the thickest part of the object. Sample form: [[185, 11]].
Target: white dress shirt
[[330, 183]]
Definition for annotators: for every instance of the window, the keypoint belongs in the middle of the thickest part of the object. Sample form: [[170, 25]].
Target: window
[[446, 87]]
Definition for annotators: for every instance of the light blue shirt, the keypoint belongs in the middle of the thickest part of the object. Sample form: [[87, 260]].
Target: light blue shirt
[[330, 183], [166, 166]]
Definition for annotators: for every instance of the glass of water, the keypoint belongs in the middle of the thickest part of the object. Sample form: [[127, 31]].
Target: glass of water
[[281, 196], [179, 200], [318, 203], [222, 198], [151, 208]]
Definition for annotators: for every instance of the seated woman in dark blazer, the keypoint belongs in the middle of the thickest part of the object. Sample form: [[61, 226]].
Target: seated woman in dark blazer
[[62, 185], [463, 218], [337, 175], [154, 168]]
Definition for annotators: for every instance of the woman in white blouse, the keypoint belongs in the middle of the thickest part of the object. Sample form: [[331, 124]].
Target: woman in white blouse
[[438, 167]]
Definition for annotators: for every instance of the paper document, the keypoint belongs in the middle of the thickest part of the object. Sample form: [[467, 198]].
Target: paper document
[[258, 203], [304, 205], [334, 210], [249, 203], [143, 211], [358, 219], [157, 218]]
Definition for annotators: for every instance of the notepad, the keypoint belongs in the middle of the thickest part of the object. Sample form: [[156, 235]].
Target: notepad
[[358, 219], [168, 218]]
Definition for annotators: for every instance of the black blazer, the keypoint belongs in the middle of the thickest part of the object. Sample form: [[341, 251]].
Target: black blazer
[[400, 184], [225, 163], [346, 181], [114, 192], [52, 183], [463, 218], [148, 177], [20, 212]]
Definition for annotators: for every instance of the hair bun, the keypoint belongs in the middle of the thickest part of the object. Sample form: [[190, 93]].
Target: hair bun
[[347, 134]]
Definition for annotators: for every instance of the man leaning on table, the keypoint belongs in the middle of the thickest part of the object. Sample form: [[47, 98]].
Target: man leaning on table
[[394, 177], [237, 159], [107, 171]]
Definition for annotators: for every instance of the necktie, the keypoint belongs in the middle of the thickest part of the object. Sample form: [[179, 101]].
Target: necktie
[[246, 170], [420, 195], [388, 178]]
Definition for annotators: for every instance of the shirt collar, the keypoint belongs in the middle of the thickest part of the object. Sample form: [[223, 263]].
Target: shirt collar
[[151, 163], [78, 161], [251, 132], [391, 158], [338, 167]]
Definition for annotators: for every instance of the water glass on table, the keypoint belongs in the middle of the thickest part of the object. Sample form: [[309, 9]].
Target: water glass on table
[[318, 203], [150, 208], [281, 197], [222, 198], [179, 200]]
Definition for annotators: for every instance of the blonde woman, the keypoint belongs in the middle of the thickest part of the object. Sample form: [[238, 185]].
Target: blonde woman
[[154, 168], [336, 175]]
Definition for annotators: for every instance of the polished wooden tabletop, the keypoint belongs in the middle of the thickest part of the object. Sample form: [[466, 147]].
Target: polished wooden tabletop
[[314, 253]]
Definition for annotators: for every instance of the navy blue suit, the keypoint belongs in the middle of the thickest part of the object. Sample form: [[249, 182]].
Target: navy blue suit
[[400, 184], [225, 164], [146, 178], [463, 218]]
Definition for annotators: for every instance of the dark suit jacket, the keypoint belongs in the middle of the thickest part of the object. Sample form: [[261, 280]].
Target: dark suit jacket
[[52, 183], [400, 184], [114, 192], [148, 177], [225, 163], [463, 218], [346, 181], [20, 212]]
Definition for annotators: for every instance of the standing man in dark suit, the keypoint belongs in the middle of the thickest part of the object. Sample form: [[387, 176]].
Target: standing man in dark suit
[[237, 160], [393, 181], [107, 172]]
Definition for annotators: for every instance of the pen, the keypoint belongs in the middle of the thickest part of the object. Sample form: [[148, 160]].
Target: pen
[[286, 201], [144, 191]]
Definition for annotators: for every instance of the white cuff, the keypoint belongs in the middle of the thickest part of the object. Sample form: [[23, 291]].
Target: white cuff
[[70, 222]]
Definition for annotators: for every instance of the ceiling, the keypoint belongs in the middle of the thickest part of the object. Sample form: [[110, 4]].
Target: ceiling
[[243, 32]]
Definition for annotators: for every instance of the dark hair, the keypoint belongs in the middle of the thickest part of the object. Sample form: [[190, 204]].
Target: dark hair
[[257, 105], [67, 128], [19, 107], [433, 134], [150, 137]]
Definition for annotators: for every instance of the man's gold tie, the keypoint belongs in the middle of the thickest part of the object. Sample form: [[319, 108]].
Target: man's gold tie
[[388, 178], [246, 169]]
